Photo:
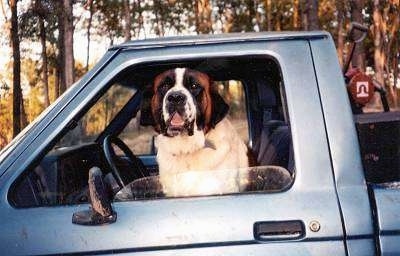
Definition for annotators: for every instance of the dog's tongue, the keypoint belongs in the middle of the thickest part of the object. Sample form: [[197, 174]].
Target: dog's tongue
[[177, 120]]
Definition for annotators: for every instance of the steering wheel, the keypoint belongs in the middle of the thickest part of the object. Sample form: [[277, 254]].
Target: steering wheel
[[136, 167]]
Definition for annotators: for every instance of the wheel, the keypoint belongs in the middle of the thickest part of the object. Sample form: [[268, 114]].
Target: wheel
[[136, 167]]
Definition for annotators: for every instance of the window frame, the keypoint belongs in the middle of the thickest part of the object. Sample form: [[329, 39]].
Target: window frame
[[124, 63], [115, 127]]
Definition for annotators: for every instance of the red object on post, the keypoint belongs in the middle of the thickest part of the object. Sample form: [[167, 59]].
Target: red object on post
[[360, 87]]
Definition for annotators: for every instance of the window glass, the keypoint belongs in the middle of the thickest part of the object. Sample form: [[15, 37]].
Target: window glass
[[233, 93], [140, 139], [99, 116], [62, 176]]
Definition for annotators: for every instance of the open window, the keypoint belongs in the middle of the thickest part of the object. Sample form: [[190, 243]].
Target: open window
[[251, 85]]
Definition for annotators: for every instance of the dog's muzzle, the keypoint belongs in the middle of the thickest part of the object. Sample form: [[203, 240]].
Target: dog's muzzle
[[178, 121]]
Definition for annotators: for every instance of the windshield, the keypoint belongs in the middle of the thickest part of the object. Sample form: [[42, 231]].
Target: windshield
[[5, 151]]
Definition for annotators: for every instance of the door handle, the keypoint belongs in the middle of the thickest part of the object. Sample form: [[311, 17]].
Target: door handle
[[278, 230]]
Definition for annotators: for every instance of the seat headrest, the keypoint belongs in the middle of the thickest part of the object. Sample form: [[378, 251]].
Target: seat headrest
[[266, 94]]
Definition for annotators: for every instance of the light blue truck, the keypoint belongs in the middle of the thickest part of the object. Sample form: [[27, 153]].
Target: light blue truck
[[288, 100]]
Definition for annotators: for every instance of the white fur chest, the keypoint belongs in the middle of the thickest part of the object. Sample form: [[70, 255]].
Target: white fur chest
[[202, 165]]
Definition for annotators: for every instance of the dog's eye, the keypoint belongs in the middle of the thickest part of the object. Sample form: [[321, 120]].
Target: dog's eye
[[196, 88], [163, 88]]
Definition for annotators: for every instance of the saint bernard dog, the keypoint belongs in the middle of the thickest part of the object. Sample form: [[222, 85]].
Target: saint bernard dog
[[198, 150]]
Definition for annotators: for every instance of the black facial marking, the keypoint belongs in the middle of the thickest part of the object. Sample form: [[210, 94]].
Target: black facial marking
[[200, 121], [193, 85], [166, 84]]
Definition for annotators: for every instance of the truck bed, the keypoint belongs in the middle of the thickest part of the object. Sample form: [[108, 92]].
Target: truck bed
[[379, 137]]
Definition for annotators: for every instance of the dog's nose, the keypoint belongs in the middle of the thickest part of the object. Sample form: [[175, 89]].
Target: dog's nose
[[176, 98]]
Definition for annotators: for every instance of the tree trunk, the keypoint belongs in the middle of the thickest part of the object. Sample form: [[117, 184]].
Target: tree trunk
[[127, 19], [159, 22], [69, 64], [296, 19], [203, 16], [251, 15], [311, 14], [378, 45], [358, 59], [61, 50], [44, 62], [378, 42], [141, 25], [392, 51], [17, 92], [340, 7], [197, 17], [57, 79], [88, 35], [278, 20], [268, 14]]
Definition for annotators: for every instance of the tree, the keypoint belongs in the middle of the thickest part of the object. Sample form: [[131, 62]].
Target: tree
[[268, 14], [127, 20], [108, 19], [32, 27], [310, 15], [159, 9], [386, 36], [341, 14], [68, 38], [17, 92], [41, 11], [89, 5], [61, 84], [378, 33], [203, 17], [296, 18], [391, 47]]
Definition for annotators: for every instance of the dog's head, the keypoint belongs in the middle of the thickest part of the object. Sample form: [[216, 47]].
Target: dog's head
[[181, 100]]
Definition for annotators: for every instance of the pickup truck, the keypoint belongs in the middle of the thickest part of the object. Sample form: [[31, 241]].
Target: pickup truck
[[288, 101]]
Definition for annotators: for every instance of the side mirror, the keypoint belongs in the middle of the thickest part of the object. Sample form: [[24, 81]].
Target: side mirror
[[100, 212]]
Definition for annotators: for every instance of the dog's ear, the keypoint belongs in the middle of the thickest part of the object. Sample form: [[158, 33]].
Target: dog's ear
[[219, 108], [146, 115]]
